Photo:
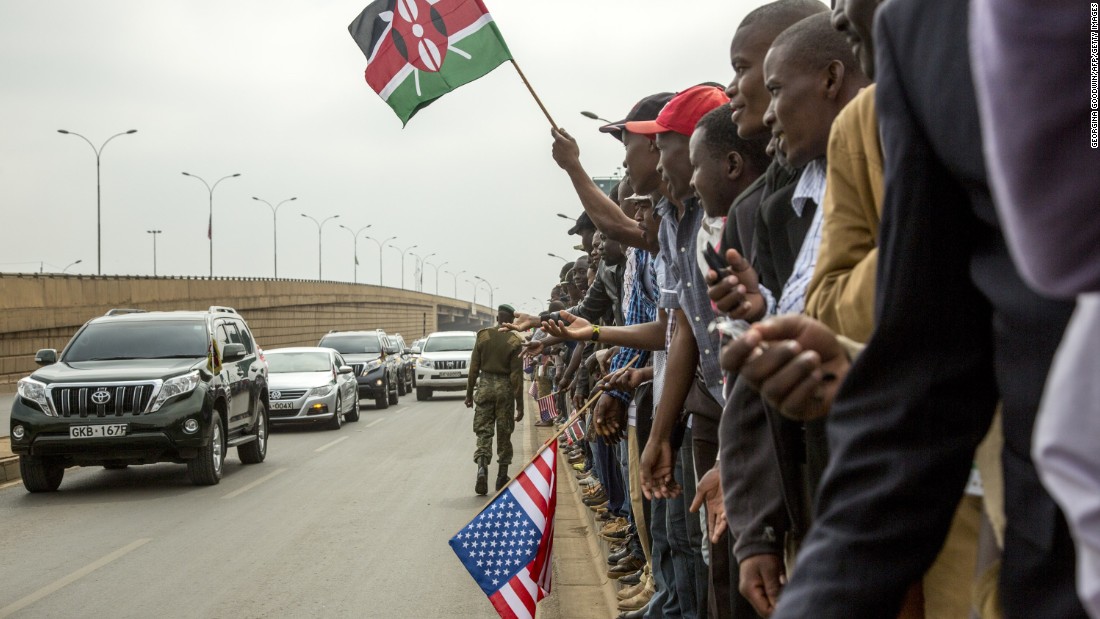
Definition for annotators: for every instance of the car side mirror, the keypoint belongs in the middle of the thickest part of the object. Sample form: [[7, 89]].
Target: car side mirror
[[233, 352], [415, 351], [346, 369], [46, 356]]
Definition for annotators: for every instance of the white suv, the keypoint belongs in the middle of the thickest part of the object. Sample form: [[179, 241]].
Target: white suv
[[444, 363]]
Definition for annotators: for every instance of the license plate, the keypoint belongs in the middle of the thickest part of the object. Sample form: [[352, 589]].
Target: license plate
[[450, 374], [98, 431], [282, 406]]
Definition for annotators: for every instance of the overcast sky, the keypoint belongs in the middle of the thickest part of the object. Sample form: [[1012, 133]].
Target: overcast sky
[[274, 90]]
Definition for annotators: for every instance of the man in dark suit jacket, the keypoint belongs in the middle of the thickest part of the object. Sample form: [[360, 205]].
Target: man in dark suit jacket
[[957, 330]]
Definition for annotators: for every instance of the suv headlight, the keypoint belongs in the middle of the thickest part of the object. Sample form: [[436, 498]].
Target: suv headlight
[[176, 386], [322, 391], [35, 391], [370, 366], [424, 363]]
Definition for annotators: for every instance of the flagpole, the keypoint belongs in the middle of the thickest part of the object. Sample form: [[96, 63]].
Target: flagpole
[[564, 427], [523, 77]]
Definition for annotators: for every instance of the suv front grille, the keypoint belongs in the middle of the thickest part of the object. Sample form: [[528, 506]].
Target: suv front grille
[[101, 400], [286, 394], [450, 365]]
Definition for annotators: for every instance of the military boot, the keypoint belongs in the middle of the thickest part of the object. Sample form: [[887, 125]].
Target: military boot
[[481, 486], [502, 476]]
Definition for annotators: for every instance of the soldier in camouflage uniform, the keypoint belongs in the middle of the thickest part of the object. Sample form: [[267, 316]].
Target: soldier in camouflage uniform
[[497, 372]]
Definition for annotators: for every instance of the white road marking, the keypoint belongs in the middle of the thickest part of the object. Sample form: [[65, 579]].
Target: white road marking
[[24, 602], [376, 422], [336, 442], [246, 488]]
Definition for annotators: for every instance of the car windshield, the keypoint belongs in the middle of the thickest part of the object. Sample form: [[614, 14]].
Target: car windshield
[[298, 362], [448, 343], [153, 339], [352, 344]]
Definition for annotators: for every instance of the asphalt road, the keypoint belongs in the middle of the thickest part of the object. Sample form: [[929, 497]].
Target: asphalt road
[[348, 523]]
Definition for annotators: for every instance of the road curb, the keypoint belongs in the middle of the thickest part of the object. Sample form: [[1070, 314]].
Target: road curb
[[9, 463]]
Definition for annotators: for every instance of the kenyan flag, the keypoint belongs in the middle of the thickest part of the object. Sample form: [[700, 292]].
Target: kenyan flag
[[419, 50]]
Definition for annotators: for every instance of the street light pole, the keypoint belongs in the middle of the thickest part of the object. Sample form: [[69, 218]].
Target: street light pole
[[381, 244], [455, 276], [210, 225], [275, 230], [556, 256], [487, 285], [154, 233], [423, 261], [474, 286], [437, 267], [76, 262], [320, 226], [594, 116], [403, 251], [98, 194], [355, 248]]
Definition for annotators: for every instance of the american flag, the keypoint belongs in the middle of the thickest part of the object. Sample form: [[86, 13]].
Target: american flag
[[507, 547], [575, 432], [528, 363], [547, 408]]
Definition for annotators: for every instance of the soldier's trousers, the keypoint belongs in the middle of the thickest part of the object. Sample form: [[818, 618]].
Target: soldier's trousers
[[494, 410]]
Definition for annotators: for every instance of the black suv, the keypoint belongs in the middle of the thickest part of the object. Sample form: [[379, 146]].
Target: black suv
[[136, 387], [371, 357], [407, 371]]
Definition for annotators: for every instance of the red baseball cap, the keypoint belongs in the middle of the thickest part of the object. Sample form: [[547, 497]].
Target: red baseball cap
[[683, 111]]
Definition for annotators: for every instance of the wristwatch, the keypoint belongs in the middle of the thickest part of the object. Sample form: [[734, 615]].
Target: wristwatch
[[595, 333]]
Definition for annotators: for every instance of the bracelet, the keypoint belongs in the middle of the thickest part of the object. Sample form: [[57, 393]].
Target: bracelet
[[596, 333]]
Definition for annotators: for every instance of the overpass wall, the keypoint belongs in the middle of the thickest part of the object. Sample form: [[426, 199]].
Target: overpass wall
[[43, 311]]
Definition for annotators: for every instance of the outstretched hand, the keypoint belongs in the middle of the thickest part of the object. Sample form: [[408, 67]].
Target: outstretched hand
[[577, 328], [522, 322], [737, 293], [794, 361], [709, 492]]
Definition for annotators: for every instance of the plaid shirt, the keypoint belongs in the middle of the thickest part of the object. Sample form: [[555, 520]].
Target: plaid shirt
[[642, 308], [685, 289]]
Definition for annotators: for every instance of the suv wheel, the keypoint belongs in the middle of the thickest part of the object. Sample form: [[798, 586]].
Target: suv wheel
[[41, 474], [383, 401], [401, 390], [423, 393], [254, 452], [206, 468], [393, 394], [337, 416]]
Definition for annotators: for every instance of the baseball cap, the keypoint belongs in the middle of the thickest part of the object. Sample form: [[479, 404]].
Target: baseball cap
[[584, 222], [646, 109], [682, 112]]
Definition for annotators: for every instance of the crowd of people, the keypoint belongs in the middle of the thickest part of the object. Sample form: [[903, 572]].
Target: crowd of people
[[813, 323]]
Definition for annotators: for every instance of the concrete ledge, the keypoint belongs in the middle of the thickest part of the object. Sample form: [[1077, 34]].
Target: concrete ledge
[[9, 463]]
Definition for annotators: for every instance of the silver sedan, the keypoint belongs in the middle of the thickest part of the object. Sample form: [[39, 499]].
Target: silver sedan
[[311, 385]]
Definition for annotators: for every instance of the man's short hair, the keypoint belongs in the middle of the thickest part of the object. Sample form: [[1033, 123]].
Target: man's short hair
[[720, 137], [813, 43], [779, 15]]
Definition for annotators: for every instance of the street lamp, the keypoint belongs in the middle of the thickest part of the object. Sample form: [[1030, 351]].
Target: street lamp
[[210, 225], [320, 226], [474, 286], [154, 233], [593, 116], [487, 285], [556, 256], [98, 194], [355, 248], [381, 244], [437, 267], [422, 260], [75, 262], [455, 276], [403, 252], [564, 216], [275, 229]]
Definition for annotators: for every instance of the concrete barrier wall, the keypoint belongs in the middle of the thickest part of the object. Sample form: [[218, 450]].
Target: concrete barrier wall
[[43, 311]]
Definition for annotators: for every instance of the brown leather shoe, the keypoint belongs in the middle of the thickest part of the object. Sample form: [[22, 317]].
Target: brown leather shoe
[[639, 600], [629, 565]]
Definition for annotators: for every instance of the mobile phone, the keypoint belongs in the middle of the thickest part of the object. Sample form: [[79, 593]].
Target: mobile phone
[[716, 261]]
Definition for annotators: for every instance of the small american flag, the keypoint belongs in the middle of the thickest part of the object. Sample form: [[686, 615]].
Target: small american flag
[[507, 547], [547, 408], [528, 364], [575, 432]]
